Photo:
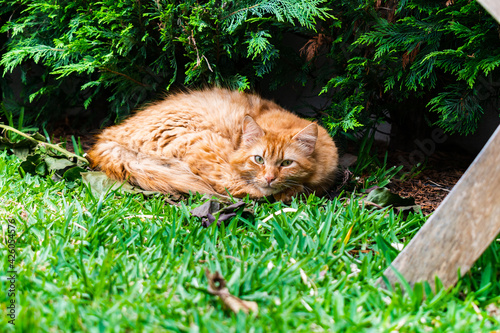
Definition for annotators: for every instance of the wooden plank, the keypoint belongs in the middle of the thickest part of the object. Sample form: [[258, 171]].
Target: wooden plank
[[462, 227], [492, 6]]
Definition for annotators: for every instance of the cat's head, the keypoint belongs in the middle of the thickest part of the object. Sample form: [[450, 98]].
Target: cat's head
[[275, 161]]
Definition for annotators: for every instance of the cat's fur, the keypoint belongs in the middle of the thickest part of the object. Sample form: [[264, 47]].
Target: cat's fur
[[215, 140]]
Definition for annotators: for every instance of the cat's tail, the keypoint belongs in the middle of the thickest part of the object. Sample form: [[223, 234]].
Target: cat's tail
[[148, 172]]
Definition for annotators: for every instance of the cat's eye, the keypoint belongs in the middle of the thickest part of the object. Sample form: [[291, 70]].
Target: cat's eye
[[258, 159], [286, 163]]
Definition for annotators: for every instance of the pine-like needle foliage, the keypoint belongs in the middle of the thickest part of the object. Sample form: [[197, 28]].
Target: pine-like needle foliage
[[372, 59], [72, 53], [387, 54]]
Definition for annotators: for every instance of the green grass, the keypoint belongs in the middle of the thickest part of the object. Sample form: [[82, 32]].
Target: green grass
[[122, 263]]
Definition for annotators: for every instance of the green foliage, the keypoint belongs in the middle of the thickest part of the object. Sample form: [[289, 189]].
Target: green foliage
[[41, 157], [459, 108], [446, 54], [374, 60], [369, 171], [129, 51]]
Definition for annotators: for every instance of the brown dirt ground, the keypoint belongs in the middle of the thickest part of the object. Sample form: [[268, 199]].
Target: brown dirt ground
[[431, 185]]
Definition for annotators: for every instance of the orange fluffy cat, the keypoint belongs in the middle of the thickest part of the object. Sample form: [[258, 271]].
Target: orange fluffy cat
[[217, 141]]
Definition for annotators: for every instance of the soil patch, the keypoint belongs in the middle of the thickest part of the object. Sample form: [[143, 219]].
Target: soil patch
[[436, 179]]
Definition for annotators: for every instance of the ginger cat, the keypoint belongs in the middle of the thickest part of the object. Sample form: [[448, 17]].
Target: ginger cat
[[217, 141]]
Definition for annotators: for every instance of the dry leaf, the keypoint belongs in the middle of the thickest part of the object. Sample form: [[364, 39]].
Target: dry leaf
[[313, 46], [209, 210], [493, 310], [217, 286]]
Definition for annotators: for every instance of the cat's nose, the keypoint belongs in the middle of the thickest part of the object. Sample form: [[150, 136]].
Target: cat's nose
[[269, 178]]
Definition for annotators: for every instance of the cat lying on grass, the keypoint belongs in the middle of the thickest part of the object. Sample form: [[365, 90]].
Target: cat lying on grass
[[217, 141]]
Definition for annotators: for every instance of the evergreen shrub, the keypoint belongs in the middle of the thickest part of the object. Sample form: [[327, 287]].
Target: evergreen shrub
[[375, 60], [130, 51], [392, 58]]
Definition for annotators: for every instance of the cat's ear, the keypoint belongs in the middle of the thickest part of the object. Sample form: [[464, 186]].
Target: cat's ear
[[307, 138], [251, 131]]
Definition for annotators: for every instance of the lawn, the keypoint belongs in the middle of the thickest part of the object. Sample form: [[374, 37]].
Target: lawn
[[121, 262]]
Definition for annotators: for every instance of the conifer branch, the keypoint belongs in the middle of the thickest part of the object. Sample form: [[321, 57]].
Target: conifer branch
[[241, 10], [124, 75]]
